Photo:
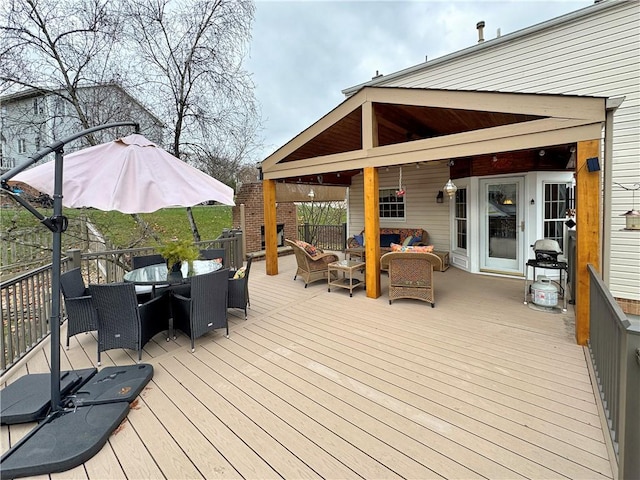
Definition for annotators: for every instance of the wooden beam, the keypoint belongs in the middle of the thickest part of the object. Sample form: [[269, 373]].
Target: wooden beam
[[567, 106], [338, 113], [369, 127], [270, 227], [536, 134], [372, 232], [588, 191]]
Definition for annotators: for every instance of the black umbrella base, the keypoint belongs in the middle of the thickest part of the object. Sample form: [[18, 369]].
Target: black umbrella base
[[63, 441], [28, 399], [68, 438]]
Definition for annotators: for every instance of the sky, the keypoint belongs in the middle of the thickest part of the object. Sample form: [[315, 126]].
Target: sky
[[303, 53]]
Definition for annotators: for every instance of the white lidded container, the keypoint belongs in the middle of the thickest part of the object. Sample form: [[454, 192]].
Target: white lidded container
[[543, 292]]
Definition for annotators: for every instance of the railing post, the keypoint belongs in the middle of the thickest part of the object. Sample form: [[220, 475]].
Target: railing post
[[306, 233], [629, 441], [344, 236], [74, 258], [238, 250]]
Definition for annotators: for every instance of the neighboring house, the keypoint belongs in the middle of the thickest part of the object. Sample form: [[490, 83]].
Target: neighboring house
[[594, 51], [32, 119]]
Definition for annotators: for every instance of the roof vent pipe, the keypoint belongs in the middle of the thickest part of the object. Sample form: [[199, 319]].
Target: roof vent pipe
[[480, 27]]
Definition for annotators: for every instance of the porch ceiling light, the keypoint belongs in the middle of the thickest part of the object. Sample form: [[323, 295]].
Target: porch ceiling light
[[450, 188]]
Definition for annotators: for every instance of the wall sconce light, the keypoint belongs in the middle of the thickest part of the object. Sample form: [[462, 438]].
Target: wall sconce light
[[541, 153], [451, 163], [532, 202], [494, 159], [440, 197], [450, 188], [593, 165]]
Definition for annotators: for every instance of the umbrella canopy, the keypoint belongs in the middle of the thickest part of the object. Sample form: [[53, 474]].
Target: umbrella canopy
[[130, 175]]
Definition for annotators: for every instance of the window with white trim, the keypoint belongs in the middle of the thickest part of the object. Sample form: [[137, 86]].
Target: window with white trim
[[460, 218], [390, 205], [38, 106], [555, 211]]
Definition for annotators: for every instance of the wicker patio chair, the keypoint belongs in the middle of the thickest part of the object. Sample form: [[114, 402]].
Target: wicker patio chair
[[239, 289], [311, 267], [206, 307], [81, 314], [122, 323], [146, 260], [214, 253], [145, 292], [410, 275]]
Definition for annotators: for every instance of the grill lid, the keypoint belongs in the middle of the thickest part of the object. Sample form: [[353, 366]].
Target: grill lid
[[547, 245]]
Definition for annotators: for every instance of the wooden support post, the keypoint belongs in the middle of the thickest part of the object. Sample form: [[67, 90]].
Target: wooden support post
[[372, 232], [270, 227], [588, 242]]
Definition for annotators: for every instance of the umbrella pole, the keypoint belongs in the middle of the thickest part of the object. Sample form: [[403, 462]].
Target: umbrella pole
[[60, 224], [57, 223]]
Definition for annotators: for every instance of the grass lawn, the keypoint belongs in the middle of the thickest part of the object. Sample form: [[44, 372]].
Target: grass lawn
[[121, 230]]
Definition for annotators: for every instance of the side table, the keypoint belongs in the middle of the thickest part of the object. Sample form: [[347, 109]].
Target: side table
[[444, 256], [347, 267]]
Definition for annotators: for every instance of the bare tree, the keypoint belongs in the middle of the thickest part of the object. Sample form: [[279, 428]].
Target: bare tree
[[58, 48], [191, 57]]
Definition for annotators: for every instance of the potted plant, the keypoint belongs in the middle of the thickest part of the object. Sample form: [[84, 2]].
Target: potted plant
[[177, 251]]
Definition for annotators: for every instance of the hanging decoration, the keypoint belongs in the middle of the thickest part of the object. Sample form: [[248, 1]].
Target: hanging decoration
[[400, 192]]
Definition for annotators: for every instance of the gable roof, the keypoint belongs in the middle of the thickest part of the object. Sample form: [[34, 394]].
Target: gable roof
[[382, 126]]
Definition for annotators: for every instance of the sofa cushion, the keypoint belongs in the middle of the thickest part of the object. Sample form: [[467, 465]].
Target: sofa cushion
[[359, 239], [407, 241], [414, 240], [386, 239], [416, 249]]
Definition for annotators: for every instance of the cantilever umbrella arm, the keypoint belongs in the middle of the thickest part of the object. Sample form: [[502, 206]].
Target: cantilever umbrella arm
[[57, 223]]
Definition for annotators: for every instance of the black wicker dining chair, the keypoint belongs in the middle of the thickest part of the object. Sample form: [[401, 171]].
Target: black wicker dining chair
[[213, 254], [239, 288], [146, 260], [122, 323], [81, 314], [205, 308]]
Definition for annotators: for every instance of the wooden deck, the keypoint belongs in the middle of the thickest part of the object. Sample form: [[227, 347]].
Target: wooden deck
[[321, 385]]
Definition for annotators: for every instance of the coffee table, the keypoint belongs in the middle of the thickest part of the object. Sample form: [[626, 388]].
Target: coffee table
[[347, 267]]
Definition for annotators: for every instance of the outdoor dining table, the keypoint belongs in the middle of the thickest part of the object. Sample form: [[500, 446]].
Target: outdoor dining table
[[159, 275]]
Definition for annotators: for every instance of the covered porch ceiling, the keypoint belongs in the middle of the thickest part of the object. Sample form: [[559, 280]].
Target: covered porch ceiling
[[383, 126]]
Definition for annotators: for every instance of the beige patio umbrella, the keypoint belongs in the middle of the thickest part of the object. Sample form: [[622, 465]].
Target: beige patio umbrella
[[131, 175]]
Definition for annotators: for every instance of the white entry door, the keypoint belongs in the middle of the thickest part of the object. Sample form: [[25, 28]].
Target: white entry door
[[502, 226]]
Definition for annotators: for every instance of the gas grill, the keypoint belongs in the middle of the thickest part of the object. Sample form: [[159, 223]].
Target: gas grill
[[546, 256]]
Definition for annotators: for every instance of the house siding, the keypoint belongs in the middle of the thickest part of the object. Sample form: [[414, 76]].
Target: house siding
[[593, 53], [422, 211], [58, 119]]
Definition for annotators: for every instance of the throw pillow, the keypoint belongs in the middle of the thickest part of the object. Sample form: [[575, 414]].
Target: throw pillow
[[239, 273], [311, 250], [396, 248], [386, 239], [359, 239], [415, 240], [407, 241], [422, 249]]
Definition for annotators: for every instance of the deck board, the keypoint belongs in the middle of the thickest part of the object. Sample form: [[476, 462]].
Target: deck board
[[319, 384]]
